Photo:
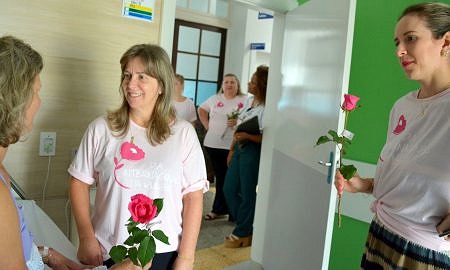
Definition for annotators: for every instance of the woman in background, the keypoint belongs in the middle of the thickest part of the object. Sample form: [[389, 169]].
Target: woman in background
[[242, 175], [184, 106], [140, 148], [20, 84], [412, 180], [216, 117]]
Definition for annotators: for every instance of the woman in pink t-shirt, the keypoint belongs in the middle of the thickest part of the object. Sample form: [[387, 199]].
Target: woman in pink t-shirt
[[412, 180], [140, 148], [216, 116]]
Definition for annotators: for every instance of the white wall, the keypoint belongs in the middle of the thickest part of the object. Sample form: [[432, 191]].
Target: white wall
[[239, 59], [234, 52], [81, 43], [167, 26]]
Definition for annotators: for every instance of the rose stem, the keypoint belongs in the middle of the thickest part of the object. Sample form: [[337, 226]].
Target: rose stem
[[339, 211]]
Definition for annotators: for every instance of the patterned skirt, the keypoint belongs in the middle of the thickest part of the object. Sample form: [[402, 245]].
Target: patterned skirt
[[387, 250]]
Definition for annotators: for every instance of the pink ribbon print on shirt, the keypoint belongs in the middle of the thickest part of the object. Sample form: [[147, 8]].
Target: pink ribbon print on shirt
[[128, 151], [401, 125]]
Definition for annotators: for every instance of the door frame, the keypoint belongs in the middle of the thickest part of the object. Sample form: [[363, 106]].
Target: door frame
[[221, 57]]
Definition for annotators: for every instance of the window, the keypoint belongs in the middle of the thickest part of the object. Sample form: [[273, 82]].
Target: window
[[198, 54]]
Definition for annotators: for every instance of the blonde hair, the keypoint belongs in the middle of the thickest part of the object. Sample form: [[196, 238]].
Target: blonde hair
[[157, 65], [19, 65]]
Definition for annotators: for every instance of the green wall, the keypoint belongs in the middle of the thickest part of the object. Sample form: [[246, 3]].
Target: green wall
[[348, 243], [377, 78]]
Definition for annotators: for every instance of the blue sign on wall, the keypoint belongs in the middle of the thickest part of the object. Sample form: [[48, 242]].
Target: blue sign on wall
[[257, 46], [262, 16]]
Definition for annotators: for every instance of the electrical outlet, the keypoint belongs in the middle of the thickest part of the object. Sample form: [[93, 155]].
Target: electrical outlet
[[47, 145]]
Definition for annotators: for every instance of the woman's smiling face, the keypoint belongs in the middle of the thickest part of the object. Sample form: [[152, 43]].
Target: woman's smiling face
[[140, 89], [230, 86]]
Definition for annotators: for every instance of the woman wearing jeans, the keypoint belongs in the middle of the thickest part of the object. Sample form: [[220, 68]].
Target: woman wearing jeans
[[242, 175]]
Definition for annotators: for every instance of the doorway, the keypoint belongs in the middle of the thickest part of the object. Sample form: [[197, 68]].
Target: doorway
[[199, 55]]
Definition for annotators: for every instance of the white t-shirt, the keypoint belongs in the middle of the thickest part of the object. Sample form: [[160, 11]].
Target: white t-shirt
[[248, 112], [123, 167], [219, 135], [185, 110], [412, 180]]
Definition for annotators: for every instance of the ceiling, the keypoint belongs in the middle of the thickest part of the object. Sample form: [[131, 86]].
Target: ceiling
[[281, 6]]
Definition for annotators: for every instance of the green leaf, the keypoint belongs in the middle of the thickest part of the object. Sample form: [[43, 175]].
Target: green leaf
[[118, 253], [322, 140], [133, 255], [334, 135], [159, 204], [146, 250], [131, 225], [346, 141], [136, 236], [140, 235], [130, 240], [348, 171], [161, 236]]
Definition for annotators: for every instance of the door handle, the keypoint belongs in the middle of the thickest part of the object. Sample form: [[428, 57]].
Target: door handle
[[328, 164]]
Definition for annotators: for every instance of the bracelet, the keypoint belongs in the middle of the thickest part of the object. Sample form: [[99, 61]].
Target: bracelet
[[45, 254], [186, 258]]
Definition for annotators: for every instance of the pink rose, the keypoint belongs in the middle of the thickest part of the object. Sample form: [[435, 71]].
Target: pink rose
[[349, 103], [130, 151], [142, 209], [240, 105], [220, 104]]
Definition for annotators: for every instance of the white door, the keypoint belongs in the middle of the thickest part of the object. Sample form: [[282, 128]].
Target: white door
[[296, 197]]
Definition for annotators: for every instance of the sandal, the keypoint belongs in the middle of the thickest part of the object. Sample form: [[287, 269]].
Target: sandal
[[211, 216], [232, 241]]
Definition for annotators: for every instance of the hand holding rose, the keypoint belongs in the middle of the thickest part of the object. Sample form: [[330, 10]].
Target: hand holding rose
[[141, 242], [345, 172]]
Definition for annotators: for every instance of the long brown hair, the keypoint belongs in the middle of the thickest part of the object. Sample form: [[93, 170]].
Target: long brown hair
[[435, 15], [157, 65], [261, 74], [19, 66]]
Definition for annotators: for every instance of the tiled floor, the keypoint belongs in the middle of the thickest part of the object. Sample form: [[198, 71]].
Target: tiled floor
[[212, 232], [211, 254]]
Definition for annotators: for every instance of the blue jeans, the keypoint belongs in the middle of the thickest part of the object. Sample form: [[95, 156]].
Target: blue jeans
[[240, 186]]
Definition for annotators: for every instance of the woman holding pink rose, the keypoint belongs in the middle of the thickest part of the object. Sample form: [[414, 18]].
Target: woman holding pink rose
[[412, 180], [215, 114], [140, 148]]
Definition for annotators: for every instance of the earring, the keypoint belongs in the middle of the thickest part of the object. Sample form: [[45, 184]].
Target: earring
[[159, 92], [444, 53]]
